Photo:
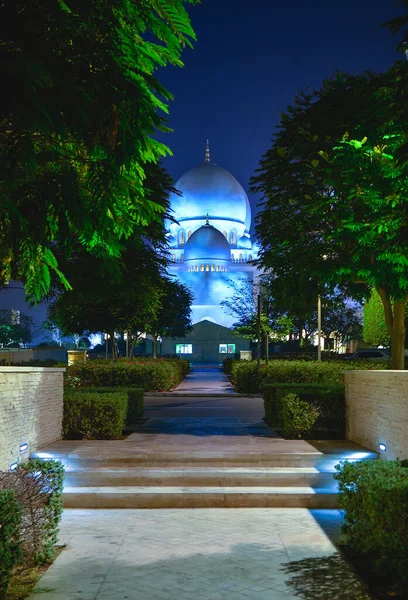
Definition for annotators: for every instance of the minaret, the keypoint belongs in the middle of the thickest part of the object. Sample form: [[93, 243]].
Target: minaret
[[207, 152]]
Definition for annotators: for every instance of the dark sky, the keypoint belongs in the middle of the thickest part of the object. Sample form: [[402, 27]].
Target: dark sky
[[250, 59]]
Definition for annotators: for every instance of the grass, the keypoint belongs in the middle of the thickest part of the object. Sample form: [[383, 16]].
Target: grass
[[25, 579]]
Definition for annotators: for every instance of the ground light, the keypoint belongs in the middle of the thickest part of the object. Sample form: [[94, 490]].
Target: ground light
[[383, 447], [23, 447]]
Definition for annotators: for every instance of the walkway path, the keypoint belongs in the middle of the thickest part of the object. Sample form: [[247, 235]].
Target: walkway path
[[206, 452]]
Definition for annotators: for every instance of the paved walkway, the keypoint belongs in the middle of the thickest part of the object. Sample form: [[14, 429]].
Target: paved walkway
[[203, 554], [205, 381]]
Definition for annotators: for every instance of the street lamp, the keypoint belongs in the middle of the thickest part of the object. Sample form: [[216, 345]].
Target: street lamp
[[126, 338], [106, 345]]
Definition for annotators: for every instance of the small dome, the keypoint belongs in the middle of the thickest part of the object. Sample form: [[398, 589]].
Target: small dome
[[245, 242], [207, 243]]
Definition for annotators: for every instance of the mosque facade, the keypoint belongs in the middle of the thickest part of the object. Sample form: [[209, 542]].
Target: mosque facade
[[210, 242]]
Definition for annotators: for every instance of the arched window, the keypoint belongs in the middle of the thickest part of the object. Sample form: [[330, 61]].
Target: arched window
[[201, 267], [173, 258], [182, 238], [212, 268], [218, 267], [232, 257], [233, 238], [207, 267], [249, 257], [196, 267], [225, 234], [240, 257], [182, 258], [188, 235]]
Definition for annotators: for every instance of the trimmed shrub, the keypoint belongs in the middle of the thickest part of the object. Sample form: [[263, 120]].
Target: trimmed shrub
[[248, 379], [11, 514], [298, 417], [149, 374], [327, 399], [374, 495], [94, 415], [227, 365], [135, 396]]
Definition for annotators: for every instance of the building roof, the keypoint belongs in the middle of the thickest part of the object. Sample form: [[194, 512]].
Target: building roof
[[207, 244]]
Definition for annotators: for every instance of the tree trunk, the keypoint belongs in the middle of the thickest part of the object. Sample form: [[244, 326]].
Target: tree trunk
[[398, 335], [132, 347], [395, 321], [114, 352], [155, 346]]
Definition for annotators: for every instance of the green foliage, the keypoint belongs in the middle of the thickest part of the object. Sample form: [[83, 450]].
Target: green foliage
[[149, 374], [94, 415], [375, 331], [80, 111], [374, 496], [247, 378], [13, 330], [50, 476], [298, 417], [327, 400], [135, 397], [227, 365], [11, 514], [335, 181]]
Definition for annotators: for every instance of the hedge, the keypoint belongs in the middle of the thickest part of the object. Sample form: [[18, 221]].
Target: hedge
[[327, 402], [11, 514], [247, 378], [298, 417], [149, 374], [135, 407], [374, 495], [94, 415]]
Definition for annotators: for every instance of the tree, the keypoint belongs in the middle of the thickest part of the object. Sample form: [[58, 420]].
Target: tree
[[80, 106], [335, 182], [173, 317], [15, 329], [375, 330]]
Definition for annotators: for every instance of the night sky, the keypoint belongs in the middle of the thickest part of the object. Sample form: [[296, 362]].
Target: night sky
[[248, 63]]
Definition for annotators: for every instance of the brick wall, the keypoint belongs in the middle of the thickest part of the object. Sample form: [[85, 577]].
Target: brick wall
[[31, 404], [377, 410]]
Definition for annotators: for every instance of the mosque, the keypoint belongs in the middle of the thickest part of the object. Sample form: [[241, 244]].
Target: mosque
[[211, 248]]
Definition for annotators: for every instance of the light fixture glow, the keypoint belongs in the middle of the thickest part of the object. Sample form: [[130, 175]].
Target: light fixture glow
[[13, 467], [23, 447], [383, 447]]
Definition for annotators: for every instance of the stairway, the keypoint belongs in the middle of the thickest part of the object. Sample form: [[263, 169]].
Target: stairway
[[203, 473]]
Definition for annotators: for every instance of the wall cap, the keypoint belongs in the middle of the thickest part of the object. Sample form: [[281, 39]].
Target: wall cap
[[23, 370]]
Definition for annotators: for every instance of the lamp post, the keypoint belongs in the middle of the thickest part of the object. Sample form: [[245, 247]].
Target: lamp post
[[259, 332], [126, 338], [106, 346], [319, 327]]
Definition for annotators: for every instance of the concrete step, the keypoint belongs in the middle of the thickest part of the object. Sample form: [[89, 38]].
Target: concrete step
[[199, 497], [200, 476]]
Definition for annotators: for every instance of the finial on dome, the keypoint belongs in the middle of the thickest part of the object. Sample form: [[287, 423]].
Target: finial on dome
[[207, 219], [207, 152]]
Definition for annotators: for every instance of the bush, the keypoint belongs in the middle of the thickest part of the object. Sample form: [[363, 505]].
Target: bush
[[149, 374], [11, 514], [248, 379], [327, 399], [374, 495], [49, 475], [298, 417], [227, 365], [135, 397], [94, 415]]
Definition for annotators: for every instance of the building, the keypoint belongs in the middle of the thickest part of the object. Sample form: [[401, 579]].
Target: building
[[211, 248]]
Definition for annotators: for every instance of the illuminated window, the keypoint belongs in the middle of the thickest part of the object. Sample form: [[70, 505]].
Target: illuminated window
[[226, 349], [174, 258], [182, 238], [233, 238], [225, 234], [218, 267], [182, 258], [196, 267], [188, 235], [207, 267], [212, 268], [201, 267], [184, 349], [240, 258]]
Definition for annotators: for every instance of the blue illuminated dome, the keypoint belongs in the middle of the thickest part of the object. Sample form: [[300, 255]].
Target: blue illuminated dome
[[211, 190], [207, 244]]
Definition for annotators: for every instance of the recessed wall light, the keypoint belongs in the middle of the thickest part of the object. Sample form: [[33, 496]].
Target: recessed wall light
[[13, 467], [23, 447], [383, 447]]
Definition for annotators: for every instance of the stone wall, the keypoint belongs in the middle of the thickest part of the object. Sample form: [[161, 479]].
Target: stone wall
[[377, 411], [31, 405]]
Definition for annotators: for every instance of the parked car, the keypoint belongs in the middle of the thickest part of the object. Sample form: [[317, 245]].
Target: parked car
[[371, 354]]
